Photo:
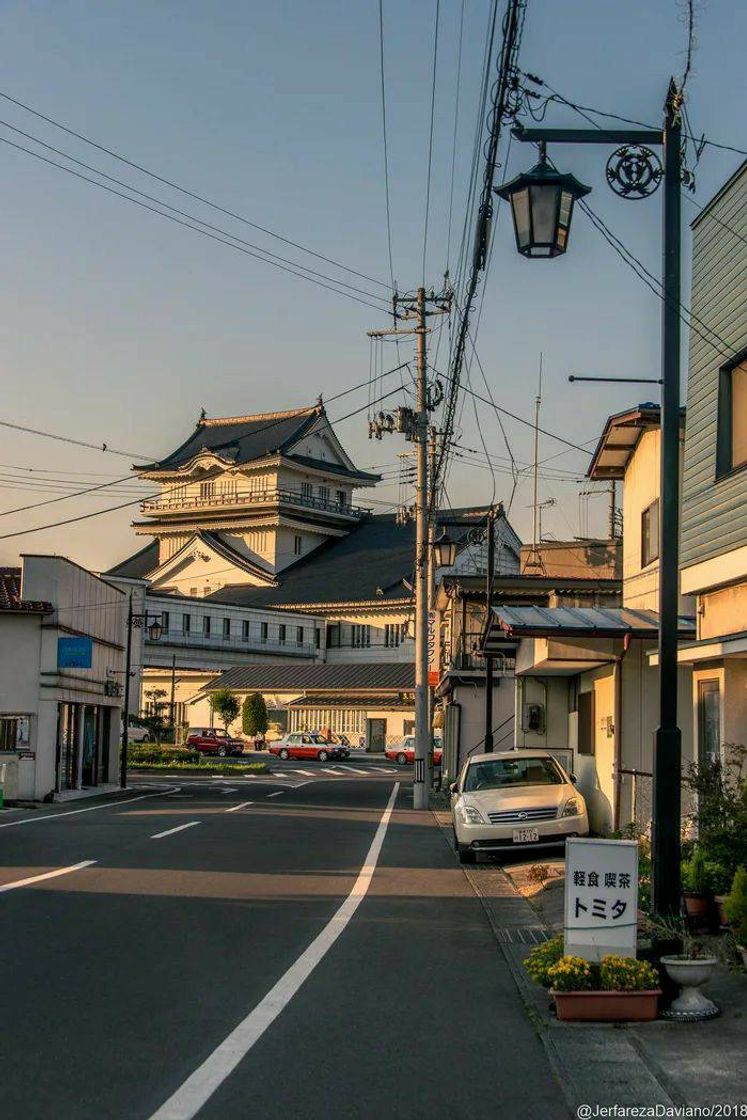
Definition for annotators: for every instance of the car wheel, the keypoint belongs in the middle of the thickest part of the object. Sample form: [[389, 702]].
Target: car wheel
[[284, 754], [222, 752], [147, 738], [322, 756], [402, 758]]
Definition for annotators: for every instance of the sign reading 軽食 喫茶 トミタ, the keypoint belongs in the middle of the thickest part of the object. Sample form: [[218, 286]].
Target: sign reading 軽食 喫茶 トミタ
[[74, 653], [601, 898]]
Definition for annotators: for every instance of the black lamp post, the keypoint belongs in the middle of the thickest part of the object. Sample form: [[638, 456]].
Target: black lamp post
[[444, 551], [542, 226], [154, 626]]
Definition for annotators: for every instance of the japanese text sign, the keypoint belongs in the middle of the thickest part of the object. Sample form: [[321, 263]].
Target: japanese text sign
[[601, 897], [74, 653]]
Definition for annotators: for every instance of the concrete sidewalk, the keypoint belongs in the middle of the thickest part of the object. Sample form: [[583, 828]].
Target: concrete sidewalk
[[673, 1065]]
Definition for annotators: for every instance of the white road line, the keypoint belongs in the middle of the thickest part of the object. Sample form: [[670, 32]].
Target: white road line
[[354, 769], [235, 808], [91, 808], [171, 831], [307, 773], [47, 875], [189, 1098], [277, 793], [384, 769], [326, 771]]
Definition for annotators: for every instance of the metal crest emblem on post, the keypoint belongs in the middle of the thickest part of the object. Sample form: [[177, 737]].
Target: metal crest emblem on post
[[634, 171]]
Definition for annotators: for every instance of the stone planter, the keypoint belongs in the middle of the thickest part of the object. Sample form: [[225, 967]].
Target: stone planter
[[607, 1007], [691, 1005]]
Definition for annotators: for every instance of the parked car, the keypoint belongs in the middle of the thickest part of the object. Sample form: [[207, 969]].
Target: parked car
[[139, 733], [305, 744], [213, 740], [404, 752], [511, 800]]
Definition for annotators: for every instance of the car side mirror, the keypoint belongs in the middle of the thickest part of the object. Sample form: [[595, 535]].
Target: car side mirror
[[574, 779], [453, 787]]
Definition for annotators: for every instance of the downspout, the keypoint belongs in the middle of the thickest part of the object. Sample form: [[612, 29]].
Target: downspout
[[617, 673]]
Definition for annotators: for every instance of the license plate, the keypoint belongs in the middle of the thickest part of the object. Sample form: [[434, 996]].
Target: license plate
[[526, 835]]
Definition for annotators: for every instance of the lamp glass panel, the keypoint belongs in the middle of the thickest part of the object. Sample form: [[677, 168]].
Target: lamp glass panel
[[520, 206], [544, 206]]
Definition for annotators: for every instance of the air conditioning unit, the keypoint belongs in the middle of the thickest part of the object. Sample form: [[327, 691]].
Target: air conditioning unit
[[533, 718]]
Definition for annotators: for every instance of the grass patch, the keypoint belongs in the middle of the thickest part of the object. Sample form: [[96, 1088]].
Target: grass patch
[[202, 766]]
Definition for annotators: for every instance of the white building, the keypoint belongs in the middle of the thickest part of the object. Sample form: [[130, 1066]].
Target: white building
[[62, 635]]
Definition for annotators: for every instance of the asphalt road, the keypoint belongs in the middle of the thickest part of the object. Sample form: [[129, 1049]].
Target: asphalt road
[[313, 954]]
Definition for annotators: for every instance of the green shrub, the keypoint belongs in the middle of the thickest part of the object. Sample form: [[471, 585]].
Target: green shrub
[[571, 974], [718, 876], [720, 788], [225, 704], [542, 958], [254, 714], [625, 974], [694, 872], [735, 906], [152, 752]]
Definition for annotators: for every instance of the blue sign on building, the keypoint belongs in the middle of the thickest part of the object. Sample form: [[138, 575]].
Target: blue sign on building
[[74, 653]]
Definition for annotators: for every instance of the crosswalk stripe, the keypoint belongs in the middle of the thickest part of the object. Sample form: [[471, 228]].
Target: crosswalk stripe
[[353, 769], [327, 771], [384, 769], [307, 773]]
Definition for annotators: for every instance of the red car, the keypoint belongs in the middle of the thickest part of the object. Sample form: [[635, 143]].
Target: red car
[[303, 744], [213, 740], [404, 754]]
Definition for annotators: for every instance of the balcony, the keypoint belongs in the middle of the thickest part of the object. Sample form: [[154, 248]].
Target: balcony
[[241, 498]]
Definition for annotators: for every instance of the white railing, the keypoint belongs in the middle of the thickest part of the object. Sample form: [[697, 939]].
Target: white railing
[[253, 497]]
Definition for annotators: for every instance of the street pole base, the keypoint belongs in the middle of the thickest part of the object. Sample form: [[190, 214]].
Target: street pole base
[[419, 796]]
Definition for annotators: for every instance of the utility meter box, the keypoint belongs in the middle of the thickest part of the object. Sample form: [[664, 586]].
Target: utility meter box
[[533, 718]]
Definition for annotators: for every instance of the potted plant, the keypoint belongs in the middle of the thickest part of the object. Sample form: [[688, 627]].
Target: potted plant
[[542, 958], [689, 969], [719, 878], [618, 989], [695, 889], [735, 906]]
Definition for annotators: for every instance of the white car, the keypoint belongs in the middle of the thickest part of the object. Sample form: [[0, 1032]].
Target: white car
[[510, 800]]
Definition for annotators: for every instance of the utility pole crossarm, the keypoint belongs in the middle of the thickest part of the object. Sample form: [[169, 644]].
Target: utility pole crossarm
[[607, 136]]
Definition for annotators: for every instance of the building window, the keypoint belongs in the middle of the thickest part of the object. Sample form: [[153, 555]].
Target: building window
[[324, 493], [333, 635], [245, 630], [281, 634], [206, 626], [165, 621], [193, 592], [317, 638], [186, 623], [264, 629], [207, 490], [297, 545], [361, 636], [342, 499], [307, 490], [392, 634], [299, 635], [586, 723], [226, 627], [709, 721], [731, 450], [650, 534]]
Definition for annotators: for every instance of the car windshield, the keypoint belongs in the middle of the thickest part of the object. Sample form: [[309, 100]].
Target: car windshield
[[506, 773]]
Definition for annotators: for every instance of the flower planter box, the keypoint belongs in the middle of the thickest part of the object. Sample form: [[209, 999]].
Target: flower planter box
[[607, 1007]]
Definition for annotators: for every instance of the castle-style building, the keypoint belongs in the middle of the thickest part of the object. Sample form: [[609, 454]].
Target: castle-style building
[[243, 498]]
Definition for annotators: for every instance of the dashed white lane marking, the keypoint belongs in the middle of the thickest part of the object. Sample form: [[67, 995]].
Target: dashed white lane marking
[[277, 793], [47, 875], [235, 808], [326, 771], [171, 831], [92, 808], [384, 769], [189, 1098], [353, 769], [306, 773]]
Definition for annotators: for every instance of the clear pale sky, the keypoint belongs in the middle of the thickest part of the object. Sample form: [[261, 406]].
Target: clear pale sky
[[118, 326]]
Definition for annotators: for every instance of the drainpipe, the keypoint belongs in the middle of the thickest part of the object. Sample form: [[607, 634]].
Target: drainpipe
[[617, 673]]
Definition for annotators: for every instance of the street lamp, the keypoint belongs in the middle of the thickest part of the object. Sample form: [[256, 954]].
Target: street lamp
[[444, 551], [154, 625], [542, 207], [541, 223]]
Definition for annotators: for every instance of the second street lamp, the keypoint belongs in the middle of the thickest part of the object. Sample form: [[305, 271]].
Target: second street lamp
[[633, 171], [542, 206]]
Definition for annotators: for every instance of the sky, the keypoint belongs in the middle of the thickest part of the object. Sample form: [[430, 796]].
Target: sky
[[118, 326]]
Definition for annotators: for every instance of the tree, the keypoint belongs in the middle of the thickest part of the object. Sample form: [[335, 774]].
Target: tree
[[225, 705], [156, 697], [254, 714]]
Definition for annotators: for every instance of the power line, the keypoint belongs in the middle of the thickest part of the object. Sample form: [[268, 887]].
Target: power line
[[205, 232], [456, 128], [77, 442], [186, 191], [430, 139]]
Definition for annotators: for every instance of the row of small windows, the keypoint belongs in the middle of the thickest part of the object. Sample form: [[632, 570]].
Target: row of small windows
[[359, 636], [212, 627]]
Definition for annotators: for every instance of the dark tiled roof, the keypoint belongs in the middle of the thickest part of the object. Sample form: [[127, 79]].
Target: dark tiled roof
[[324, 700], [139, 565], [240, 439], [372, 562], [10, 594], [334, 468], [320, 676]]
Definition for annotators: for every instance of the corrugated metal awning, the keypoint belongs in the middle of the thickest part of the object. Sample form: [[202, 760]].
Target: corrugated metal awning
[[578, 622]]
